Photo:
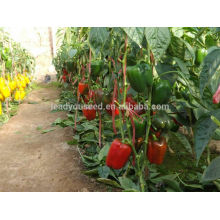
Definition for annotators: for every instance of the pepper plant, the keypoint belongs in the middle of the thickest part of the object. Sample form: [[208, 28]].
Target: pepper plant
[[172, 72], [16, 67]]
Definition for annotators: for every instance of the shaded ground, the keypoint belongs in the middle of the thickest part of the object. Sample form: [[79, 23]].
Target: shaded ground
[[32, 161]]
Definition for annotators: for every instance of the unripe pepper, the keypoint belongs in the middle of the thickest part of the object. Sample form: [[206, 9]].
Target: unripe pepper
[[216, 96], [98, 96], [107, 99], [161, 120], [161, 92], [140, 76], [156, 150], [118, 154], [140, 127], [200, 55]]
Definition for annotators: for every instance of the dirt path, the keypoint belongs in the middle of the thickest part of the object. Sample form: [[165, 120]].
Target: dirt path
[[31, 161]]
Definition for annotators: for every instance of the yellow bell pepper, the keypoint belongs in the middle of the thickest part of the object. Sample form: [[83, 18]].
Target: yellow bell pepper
[[5, 91], [2, 98]]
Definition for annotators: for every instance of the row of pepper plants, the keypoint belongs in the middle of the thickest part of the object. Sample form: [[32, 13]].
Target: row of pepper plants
[[16, 68], [174, 73]]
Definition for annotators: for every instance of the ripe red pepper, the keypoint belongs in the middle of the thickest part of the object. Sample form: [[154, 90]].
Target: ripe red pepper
[[90, 114], [112, 108], [65, 72], [83, 88], [64, 78], [118, 154], [216, 96], [156, 150]]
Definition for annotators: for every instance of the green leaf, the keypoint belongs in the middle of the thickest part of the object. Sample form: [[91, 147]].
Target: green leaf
[[47, 130], [196, 186], [209, 67], [162, 68], [104, 171], [203, 131], [189, 49], [158, 39], [109, 182], [72, 53], [216, 136], [97, 38], [104, 151], [176, 47], [182, 67], [135, 33], [72, 142], [91, 172], [214, 82], [173, 184], [57, 121], [212, 172], [128, 184], [177, 31], [161, 178], [89, 126], [182, 140], [217, 184]]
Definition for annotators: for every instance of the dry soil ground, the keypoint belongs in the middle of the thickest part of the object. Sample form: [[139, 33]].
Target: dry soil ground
[[32, 161]]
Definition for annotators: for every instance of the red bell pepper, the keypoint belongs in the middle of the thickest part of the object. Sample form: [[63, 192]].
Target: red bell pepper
[[89, 113], [118, 154], [83, 88], [64, 78], [65, 72], [112, 108], [216, 96], [156, 150]]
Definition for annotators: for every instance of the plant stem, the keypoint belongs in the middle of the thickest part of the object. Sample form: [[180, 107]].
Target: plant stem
[[124, 71], [148, 122], [214, 119], [121, 127]]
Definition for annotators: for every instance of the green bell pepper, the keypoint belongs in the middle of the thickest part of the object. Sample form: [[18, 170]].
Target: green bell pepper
[[200, 55], [162, 121], [161, 92], [140, 77], [140, 128]]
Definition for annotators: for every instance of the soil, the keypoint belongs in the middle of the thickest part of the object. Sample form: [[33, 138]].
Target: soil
[[32, 161]]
